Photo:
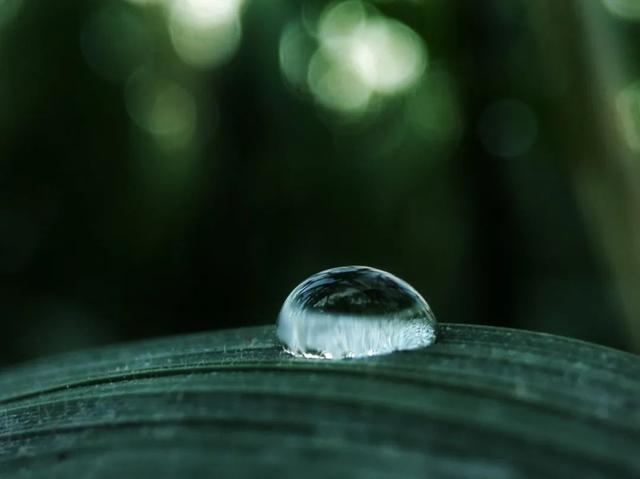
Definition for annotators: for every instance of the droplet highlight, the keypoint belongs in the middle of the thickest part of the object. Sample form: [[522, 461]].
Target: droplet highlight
[[354, 312]]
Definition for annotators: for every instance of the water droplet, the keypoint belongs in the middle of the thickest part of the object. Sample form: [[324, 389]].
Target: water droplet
[[352, 312]]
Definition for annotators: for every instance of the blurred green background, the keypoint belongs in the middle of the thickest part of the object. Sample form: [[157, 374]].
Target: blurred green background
[[169, 166]]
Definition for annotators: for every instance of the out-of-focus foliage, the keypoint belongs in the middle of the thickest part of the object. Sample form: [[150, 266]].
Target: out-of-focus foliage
[[178, 165]]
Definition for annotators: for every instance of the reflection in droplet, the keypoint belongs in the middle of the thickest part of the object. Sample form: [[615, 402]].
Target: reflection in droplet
[[508, 128], [354, 311], [205, 33]]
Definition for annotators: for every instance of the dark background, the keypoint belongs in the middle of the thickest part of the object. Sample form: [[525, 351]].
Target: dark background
[[168, 167]]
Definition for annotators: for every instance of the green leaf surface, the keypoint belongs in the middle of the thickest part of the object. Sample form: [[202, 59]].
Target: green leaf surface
[[481, 402]]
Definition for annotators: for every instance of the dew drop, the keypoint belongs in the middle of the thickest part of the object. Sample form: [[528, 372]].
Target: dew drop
[[353, 312]]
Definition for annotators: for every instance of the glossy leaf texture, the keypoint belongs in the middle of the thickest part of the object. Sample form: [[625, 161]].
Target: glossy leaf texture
[[481, 402]]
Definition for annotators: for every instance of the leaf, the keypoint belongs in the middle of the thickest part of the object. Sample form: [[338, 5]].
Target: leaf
[[481, 402]]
